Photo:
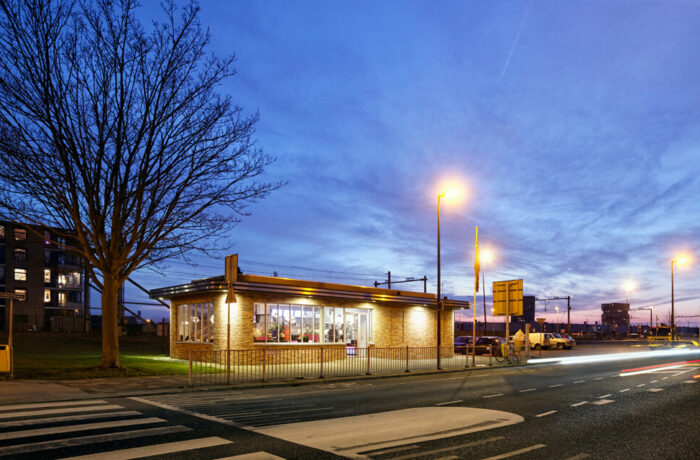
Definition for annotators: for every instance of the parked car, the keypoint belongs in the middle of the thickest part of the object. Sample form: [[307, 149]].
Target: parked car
[[462, 343], [493, 344], [559, 342], [567, 336], [540, 340]]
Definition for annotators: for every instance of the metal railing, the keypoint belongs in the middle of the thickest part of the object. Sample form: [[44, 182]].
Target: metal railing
[[262, 365]]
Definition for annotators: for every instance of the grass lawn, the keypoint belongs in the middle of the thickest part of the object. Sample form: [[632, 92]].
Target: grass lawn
[[77, 356]]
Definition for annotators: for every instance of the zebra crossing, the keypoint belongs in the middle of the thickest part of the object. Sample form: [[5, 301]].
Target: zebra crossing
[[97, 429], [243, 411]]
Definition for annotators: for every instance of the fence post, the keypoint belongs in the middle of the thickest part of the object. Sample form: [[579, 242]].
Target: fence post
[[228, 366], [466, 355], [190, 374], [490, 355], [368, 369], [407, 368], [321, 374], [264, 352]]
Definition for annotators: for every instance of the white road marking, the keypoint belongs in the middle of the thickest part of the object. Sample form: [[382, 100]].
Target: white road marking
[[604, 396], [543, 414], [253, 456], [579, 404], [81, 427], [626, 389], [653, 381], [557, 385], [52, 404], [654, 390], [424, 453], [664, 378], [449, 402], [348, 436], [579, 381], [690, 381], [600, 402], [183, 411], [395, 449], [516, 452], [82, 440], [159, 449], [493, 396], [68, 418], [598, 378], [64, 410], [529, 389], [641, 385], [578, 457]]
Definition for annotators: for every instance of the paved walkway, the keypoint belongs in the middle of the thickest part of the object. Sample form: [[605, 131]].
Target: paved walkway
[[18, 391]]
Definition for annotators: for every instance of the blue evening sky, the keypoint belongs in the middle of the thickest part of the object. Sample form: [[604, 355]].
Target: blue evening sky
[[574, 126]]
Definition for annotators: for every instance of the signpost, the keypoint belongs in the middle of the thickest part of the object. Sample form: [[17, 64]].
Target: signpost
[[231, 272], [508, 300], [11, 297]]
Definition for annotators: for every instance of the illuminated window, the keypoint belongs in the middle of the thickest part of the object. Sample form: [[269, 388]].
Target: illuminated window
[[195, 322], [47, 275], [62, 299], [22, 292], [47, 295], [20, 254], [280, 323], [20, 234], [2, 232], [20, 274]]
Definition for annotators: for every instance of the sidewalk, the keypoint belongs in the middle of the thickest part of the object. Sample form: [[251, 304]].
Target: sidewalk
[[22, 391]]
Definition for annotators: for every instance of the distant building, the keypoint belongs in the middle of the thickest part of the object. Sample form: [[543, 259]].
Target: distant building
[[616, 316], [52, 279], [528, 315]]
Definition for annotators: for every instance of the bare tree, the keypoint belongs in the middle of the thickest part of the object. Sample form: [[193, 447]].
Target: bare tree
[[115, 132]]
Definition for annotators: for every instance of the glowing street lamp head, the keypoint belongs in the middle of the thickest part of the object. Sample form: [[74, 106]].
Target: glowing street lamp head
[[451, 191], [681, 259], [630, 285], [486, 255]]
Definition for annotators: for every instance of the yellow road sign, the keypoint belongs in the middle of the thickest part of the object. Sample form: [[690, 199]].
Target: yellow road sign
[[508, 297]]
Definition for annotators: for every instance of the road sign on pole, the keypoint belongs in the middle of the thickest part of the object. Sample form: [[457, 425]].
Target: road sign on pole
[[11, 297], [508, 297]]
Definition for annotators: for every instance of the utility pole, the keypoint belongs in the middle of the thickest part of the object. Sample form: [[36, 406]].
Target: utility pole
[[410, 279]]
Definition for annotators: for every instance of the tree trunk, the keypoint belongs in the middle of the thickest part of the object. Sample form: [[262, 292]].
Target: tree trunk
[[110, 328]]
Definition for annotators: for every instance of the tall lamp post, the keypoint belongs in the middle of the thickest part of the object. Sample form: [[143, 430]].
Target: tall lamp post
[[629, 286], [678, 260], [485, 256], [438, 306]]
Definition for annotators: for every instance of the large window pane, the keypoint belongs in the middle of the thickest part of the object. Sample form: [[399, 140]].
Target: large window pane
[[284, 323], [295, 324], [328, 329], [339, 325], [259, 320]]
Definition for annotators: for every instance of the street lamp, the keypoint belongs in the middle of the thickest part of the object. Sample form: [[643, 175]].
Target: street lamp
[[486, 256], [450, 193], [678, 260]]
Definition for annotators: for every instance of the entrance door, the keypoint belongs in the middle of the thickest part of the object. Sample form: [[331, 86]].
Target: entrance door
[[362, 330]]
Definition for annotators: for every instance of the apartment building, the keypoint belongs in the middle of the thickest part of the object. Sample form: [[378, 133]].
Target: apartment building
[[34, 262]]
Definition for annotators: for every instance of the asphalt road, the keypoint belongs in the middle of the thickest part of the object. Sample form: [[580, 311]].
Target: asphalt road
[[578, 411]]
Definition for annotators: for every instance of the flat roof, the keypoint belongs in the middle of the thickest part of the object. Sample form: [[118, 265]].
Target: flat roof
[[295, 287]]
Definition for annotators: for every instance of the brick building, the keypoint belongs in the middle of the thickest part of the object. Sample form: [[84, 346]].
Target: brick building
[[53, 280], [616, 316], [281, 313]]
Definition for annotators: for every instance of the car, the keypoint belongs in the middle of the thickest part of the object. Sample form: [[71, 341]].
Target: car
[[492, 344], [540, 340], [462, 343], [559, 342]]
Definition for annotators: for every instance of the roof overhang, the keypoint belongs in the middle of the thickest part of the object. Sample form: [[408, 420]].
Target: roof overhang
[[293, 287]]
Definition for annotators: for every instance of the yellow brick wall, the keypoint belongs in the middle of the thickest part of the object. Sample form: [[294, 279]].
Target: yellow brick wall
[[393, 325]]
